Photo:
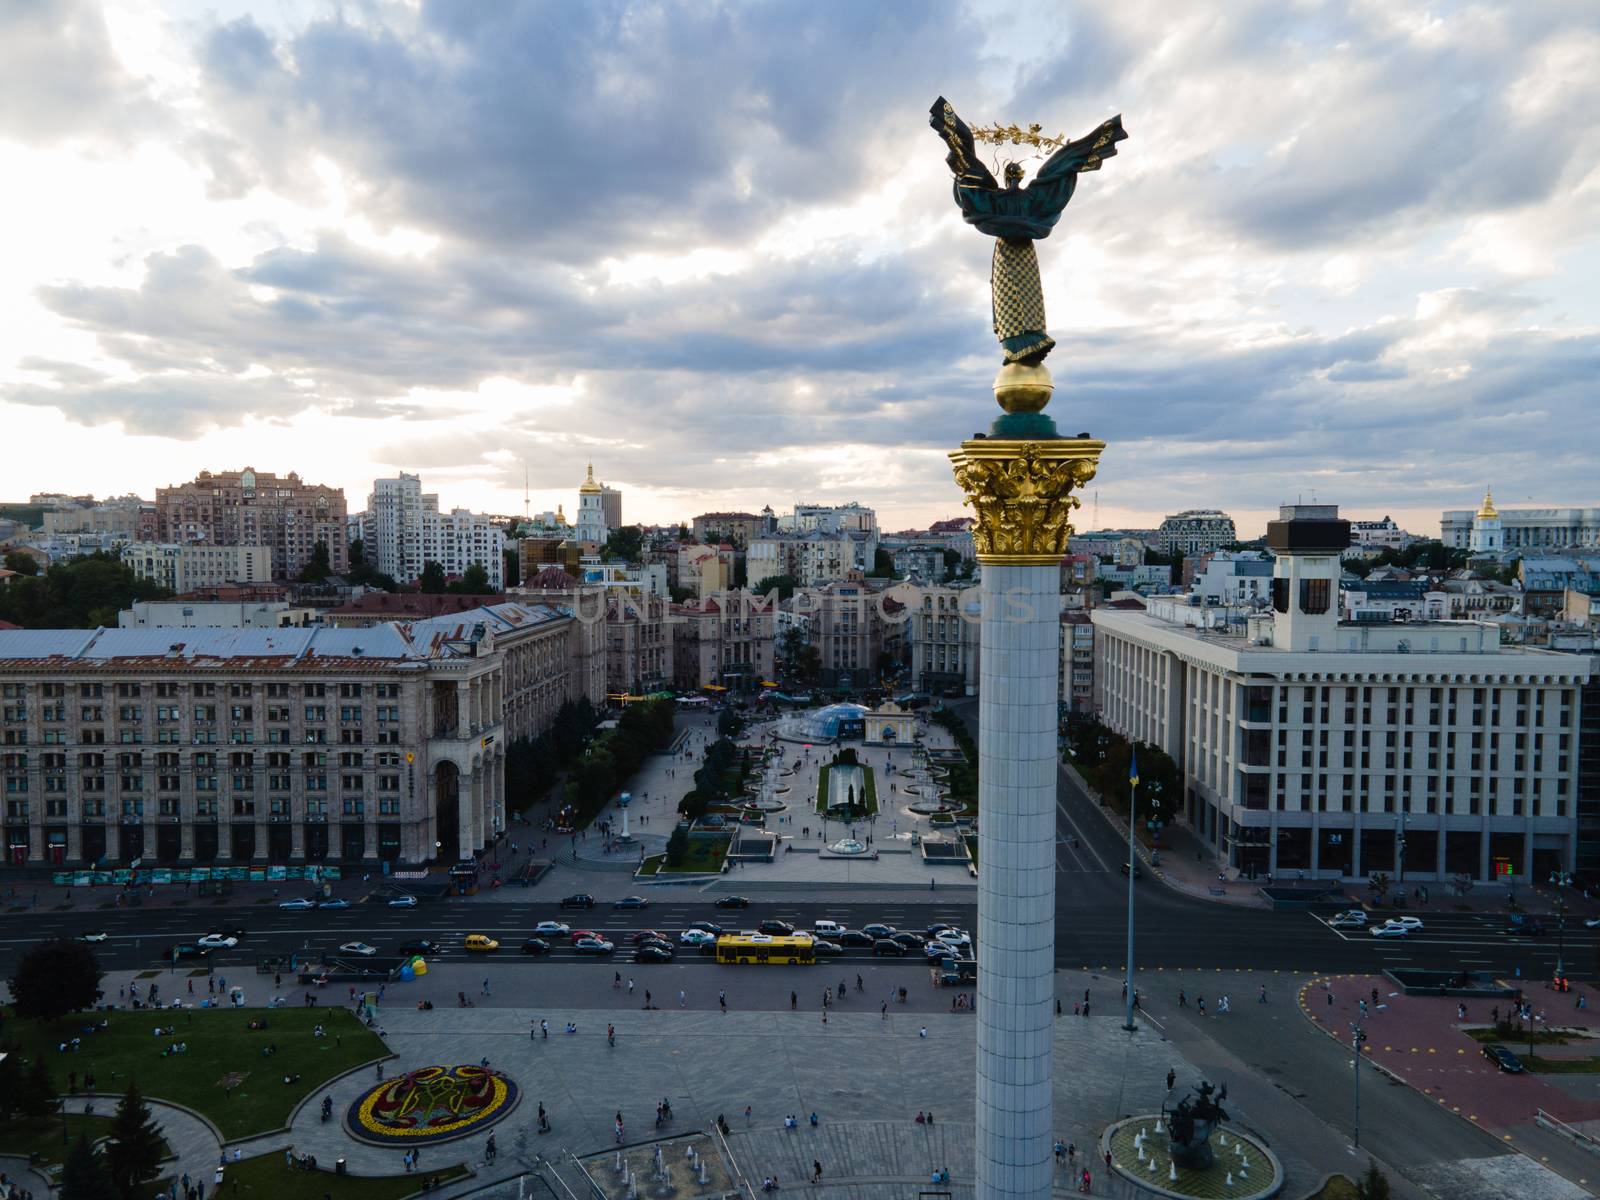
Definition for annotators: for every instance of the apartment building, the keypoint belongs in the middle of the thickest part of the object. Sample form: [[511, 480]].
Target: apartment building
[[250, 508]]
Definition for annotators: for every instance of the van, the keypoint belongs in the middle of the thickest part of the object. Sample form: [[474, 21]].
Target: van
[[827, 928]]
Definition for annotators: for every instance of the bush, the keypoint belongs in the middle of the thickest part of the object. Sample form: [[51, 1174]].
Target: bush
[[677, 846]]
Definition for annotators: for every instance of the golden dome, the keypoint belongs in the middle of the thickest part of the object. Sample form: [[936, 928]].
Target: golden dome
[[1488, 509], [589, 486]]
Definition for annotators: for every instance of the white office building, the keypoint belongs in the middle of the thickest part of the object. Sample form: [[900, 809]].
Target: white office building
[[1523, 528], [403, 529], [1307, 744]]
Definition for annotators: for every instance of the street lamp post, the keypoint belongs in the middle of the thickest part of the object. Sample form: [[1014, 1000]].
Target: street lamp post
[[1561, 881], [1400, 849], [1133, 789], [1358, 1035]]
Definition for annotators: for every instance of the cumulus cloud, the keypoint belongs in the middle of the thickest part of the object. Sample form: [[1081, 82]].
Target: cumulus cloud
[[732, 224]]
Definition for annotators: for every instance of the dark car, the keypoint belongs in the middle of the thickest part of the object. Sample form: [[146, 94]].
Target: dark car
[[823, 948], [732, 902], [186, 950], [775, 927], [855, 937], [653, 952], [536, 946], [937, 928], [710, 927], [885, 947], [417, 946], [878, 930], [578, 901], [632, 902], [911, 941], [645, 935], [659, 943], [1526, 928], [1503, 1058], [1137, 873]]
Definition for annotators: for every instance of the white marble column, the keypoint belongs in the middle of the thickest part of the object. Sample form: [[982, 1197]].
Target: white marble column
[[1019, 666]]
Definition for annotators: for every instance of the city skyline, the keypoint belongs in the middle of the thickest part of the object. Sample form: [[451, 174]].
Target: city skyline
[[761, 288]]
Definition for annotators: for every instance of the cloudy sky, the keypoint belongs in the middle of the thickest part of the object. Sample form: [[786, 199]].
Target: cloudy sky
[[713, 249]]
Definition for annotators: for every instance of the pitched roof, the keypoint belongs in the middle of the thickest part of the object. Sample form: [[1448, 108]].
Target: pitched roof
[[414, 604]]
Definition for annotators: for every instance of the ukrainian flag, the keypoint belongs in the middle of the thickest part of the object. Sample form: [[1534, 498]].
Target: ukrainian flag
[[1133, 768]]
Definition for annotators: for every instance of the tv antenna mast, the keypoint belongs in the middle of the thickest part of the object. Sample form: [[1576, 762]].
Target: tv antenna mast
[[526, 511], [1097, 510]]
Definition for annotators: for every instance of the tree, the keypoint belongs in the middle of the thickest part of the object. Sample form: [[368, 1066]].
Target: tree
[[677, 845], [21, 562], [358, 552], [38, 1100], [626, 543], [1374, 1185], [431, 580], [10, 1079], [882, 564], [1378, 884], [85, 1175], [55, 978], [317, 568], [729, 723], [78, 594], [134, 1146], [784, 585], [474, 581], [511, 568]]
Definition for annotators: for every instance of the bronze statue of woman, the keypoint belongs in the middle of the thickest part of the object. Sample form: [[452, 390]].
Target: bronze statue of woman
[[1015, 216]]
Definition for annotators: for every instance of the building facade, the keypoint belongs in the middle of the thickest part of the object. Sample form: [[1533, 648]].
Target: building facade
[[251, 746], [1077, 662], [186, 567], [250, 508], [638, 656], [403, 530], [1310, 744], [213, 614], [1526, 528], [1194, 531], [735, 528], [944, 627], [727, 640]]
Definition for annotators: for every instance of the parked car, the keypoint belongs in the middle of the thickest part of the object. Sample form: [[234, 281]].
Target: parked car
[[823, 948], [552, 929], [884, 947], [632, 902], [593, 945], [710, 927], [697, 937], [218, 941], [732, 902], [536, 945], [406, 901], [298, 904], [856, 937], [936, 950], [1390, 930], [956, 937], [878, 930], [1503, 1058], [480, 943], [775, 928], [937, 928], [336, 902], [580, 900], [653, 952], [416, 946], [358, 948]]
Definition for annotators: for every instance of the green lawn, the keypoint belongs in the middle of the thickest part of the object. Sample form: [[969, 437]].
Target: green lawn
[[45, 1136], [652, 865], [269, 1178], [1541, 1037], [1555, 1066], [704, 856], [220, 1047]]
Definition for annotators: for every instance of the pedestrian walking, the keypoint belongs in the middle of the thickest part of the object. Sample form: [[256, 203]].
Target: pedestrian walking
[[722, 1001], [485, 985], [816, 1171], [1262, 997], [611, 1035], [884, 1011], [682, 1002], [1086, 1008], [794, 1001], [630, 987], [860, 987]]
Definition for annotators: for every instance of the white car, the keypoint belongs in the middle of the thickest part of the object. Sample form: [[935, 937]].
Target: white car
[[954, 937], [827, 928], [1355, 919], [1409, 922], [696, 937], [218, 941], [361, 948], [1591, 923], [1388, 930], [299, 904], [406, 901], [98, 935], [552, 929]]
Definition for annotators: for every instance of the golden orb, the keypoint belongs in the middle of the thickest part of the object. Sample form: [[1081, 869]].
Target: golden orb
[[1023, 389]]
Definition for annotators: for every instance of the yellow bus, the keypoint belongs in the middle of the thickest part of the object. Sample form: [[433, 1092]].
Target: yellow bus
[[760, 948]]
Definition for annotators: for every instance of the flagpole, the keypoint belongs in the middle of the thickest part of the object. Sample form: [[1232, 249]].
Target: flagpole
[[1133, 787]]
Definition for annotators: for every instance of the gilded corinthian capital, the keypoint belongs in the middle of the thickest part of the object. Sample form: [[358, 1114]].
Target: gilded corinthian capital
[[1022, 494]]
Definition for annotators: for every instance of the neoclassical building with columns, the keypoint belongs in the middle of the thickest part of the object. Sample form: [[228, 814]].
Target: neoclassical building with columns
[[200, 746], [1307, 744]]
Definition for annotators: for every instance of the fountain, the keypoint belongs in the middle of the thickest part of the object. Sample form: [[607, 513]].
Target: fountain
[[1191, 1167], [847, 846]]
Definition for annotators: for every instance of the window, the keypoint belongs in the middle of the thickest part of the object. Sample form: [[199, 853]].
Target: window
[[313, 690], [351, 783], [90, 691], [242, 712], [349, 691], [127, 690], [91, 712]]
